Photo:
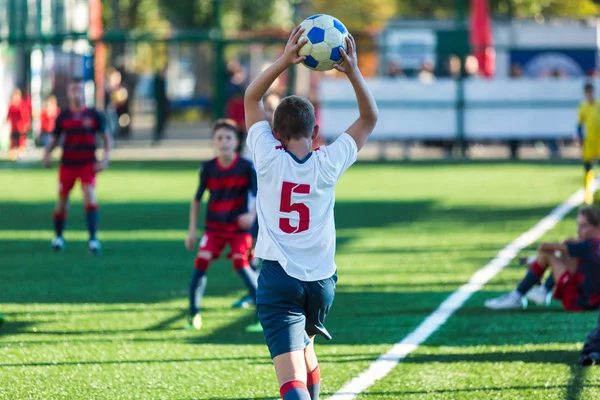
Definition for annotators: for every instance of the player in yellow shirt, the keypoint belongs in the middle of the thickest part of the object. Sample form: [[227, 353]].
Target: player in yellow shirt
[[588, 130]]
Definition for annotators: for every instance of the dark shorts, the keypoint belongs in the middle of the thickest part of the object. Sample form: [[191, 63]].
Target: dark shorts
[[290, 310]]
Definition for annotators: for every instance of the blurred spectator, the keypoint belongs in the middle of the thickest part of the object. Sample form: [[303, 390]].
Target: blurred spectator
[[237, 77], [394, 70], [19, 118], [117, 109], [557, 73], [161, 104], [270, 102], [50, 111], [426, 72], [234, 110], [516, 71], [471, 66], [453, 66]]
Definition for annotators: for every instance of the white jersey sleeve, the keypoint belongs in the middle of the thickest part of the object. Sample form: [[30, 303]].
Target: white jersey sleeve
[[339, 156], [262, 145]]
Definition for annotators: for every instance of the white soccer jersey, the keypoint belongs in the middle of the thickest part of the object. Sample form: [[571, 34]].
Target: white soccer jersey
[[295, 202]]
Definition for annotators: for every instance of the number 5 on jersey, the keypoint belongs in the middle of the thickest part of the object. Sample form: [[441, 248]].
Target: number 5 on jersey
[[286, 206]]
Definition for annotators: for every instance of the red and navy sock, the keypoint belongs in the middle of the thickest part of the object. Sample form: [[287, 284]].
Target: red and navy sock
[[313, 383], [91, 218], [549, 284], [59, 223], [198, 284], [294, 390], [533, 277]]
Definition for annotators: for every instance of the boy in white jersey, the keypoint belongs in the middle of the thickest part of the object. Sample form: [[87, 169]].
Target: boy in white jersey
[[295, 202]]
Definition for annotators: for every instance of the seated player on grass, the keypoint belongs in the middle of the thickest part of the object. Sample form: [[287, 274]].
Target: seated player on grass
[[575, 267]]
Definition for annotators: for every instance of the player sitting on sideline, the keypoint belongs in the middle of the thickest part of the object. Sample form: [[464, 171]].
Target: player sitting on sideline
[[295, 200], [575, 266], [229, 178], [588, 130], [79, 126]]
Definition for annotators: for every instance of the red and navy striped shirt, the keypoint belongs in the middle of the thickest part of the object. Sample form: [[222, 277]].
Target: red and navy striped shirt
[[79, 129], [229, 188]]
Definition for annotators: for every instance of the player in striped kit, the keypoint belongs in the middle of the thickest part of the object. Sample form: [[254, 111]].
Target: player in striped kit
[[230, 179], [79, 127]]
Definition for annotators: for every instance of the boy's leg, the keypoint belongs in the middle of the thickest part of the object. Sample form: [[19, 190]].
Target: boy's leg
[[22, 144], [87, 175], [240, 247], [280, 301], [66, 181], [544, 260], [589, 152], [313, 378], [536, 271], [14, 146], [568, 281], [291, 375], [197, 287], [320, 296], [210, 247], [60, 214]]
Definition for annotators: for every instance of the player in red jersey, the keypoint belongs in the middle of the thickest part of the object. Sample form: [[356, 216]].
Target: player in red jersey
[[20, 120], [48, 117], [79, 127]]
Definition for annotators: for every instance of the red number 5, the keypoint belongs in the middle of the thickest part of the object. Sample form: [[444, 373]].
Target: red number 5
[[287, 206]]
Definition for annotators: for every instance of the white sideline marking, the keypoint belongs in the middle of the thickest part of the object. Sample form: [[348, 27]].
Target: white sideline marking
[[386, 362]]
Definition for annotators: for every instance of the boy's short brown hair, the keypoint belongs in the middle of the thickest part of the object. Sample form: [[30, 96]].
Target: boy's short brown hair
[[591, 214], [294, 118]]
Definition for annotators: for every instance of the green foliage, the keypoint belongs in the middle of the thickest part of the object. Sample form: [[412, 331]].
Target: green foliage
[[357, 14], [514, 8], [236, 14]]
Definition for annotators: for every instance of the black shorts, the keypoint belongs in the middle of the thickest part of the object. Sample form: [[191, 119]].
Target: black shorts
[[291, 310]]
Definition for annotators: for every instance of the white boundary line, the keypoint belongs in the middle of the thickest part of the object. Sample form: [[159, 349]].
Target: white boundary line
[[386, 362]]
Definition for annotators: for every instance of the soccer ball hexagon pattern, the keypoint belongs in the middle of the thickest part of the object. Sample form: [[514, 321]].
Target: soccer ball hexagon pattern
[[326, 35]]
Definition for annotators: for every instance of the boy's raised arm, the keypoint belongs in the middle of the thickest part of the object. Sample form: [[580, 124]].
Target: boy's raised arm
[[259, 87], [367, 108]]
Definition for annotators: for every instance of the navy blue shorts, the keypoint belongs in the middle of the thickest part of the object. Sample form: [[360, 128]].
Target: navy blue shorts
[[290, 310]]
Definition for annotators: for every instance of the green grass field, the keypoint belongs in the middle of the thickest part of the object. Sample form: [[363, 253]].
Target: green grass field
[[110, 327]]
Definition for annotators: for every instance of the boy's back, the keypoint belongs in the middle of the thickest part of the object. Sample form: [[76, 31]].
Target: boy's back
[[295, 202]]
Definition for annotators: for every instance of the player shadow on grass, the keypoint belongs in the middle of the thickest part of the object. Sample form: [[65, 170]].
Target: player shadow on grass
[[573, 388], [536, 356], [130, 217]]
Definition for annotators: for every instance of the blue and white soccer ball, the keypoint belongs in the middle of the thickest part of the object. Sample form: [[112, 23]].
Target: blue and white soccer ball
[[326, 35]]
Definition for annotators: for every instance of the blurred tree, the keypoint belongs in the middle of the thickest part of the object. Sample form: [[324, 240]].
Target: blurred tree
[[508, 8], [235, 14], [127, 15], [361, 14]]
